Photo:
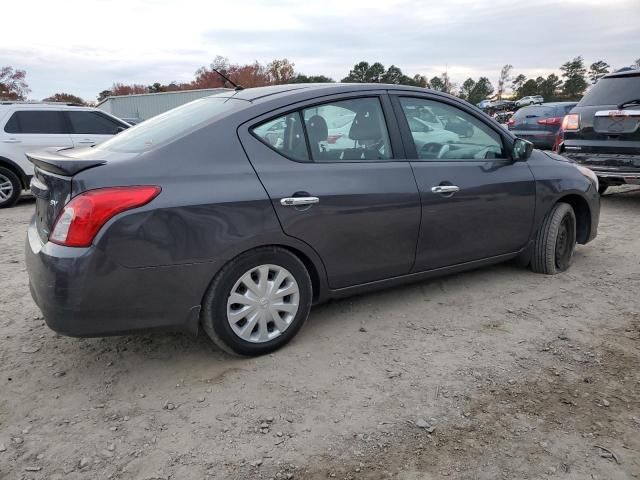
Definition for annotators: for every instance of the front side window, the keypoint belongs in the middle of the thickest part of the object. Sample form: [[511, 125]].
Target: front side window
[[44, 122], [92, 123], [347, 130], [444, 132]]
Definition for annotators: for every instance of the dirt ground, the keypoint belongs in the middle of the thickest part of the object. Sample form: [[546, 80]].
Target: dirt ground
[[498, 373]]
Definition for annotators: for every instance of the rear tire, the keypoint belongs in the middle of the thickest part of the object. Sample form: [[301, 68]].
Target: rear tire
[[10, 188], [602, 188], [555, 241], [272, 296]]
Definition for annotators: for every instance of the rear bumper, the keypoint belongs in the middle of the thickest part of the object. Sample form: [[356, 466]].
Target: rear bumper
[[610, 168], [82, 293]]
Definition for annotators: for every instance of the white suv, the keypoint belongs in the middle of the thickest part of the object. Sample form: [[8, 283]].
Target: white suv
[[26, 126], [524, 101]]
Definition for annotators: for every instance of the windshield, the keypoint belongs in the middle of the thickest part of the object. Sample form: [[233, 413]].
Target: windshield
[[613, 91], [171, 125]]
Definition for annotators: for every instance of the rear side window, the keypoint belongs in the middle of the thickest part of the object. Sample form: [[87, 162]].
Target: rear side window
[[613, 91], [92, 123], [285, 135], [36, 121], [344, 131], [348, 130]]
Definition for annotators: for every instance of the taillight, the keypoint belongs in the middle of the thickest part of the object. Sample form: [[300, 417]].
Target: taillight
[[550, 121], [571, 122], [511, 122], [331, 139], [81, 218]]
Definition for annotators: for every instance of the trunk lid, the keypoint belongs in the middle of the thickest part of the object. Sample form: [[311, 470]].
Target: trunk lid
[[51, 184]]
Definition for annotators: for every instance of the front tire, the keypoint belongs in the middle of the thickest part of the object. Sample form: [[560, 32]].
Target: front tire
[[555, 241], [257, 302], [10, 188]]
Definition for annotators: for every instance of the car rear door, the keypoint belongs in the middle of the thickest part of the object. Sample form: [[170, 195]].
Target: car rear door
[[338, 180], [476, 202], [90, 127], [31, 129]]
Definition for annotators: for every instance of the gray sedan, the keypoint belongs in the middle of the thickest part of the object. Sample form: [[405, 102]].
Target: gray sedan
[[235, 213]]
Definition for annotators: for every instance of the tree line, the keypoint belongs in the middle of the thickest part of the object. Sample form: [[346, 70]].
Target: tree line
[[571, 84]]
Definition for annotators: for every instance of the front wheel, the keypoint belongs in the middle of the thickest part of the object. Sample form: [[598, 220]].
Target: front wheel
[[257, 302], [555, 241]]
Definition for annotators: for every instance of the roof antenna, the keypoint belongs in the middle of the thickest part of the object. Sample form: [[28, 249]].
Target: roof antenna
[[237, 87]]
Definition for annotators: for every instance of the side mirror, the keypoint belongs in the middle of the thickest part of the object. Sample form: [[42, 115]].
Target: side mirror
[[521, 150], [120, 129]]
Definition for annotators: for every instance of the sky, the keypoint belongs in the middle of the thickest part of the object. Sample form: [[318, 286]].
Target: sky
[[83, 47]]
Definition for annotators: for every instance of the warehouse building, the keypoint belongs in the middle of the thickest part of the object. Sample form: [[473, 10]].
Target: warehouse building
[[146, 105]]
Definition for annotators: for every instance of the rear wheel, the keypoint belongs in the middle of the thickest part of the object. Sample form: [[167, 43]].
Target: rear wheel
[[556, 241], [10, 188], [257, 302], [602, 188]]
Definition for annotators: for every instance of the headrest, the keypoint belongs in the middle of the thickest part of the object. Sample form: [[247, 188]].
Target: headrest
[[365, 126], [317, 129]]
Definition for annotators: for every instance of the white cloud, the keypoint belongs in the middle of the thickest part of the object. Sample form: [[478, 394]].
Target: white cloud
[[84, 46]]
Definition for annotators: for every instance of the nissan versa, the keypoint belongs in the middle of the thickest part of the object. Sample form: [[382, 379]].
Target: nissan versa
[[239, 211]]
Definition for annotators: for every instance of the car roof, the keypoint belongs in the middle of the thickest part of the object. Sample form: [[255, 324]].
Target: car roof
[[43, 105], [629, 72], [314, 89]]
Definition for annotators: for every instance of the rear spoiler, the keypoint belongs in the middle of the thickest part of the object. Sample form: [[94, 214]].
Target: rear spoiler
[[51, 160]]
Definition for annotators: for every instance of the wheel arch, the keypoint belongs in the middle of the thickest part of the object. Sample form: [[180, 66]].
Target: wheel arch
[[15, 168], [308, 257], [583, 215]]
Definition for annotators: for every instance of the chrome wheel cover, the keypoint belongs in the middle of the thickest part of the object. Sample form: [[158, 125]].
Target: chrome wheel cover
[[6, 188], [263, 303]]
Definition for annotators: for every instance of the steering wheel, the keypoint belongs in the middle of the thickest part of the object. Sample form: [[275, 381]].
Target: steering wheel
[[434, 150]]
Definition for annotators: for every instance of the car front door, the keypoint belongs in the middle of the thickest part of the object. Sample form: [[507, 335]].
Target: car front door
[[29, 130], [337, 179], [90, 128], [476, 202]]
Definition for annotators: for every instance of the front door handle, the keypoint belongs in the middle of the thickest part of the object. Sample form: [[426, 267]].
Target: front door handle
[[445, 189], [86, 140], [11, 140], [296, 201]]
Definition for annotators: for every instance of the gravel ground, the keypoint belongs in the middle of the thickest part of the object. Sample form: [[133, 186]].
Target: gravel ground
[[498, 373]]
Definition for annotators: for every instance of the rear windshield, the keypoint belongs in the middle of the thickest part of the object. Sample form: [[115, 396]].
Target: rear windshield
[[535, 111], [613, 91], [168, 126]]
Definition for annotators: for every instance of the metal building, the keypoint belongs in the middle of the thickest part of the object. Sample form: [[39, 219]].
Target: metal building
[[146, 105]]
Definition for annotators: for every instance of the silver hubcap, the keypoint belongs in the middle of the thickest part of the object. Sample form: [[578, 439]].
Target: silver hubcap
[[263, 303], [6, 188]]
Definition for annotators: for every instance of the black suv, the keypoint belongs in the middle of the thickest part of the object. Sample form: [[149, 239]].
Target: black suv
[[603, 131]]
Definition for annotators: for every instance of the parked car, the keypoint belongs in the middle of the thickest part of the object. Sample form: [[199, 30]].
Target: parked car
[[196, 218], [540, 123], [132, 121], [484, 104], [28, 126], [603, 131], [529, 100]]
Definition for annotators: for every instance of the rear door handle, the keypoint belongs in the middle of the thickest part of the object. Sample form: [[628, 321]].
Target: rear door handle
[[445, 189], [296, 201], [12, 140]]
